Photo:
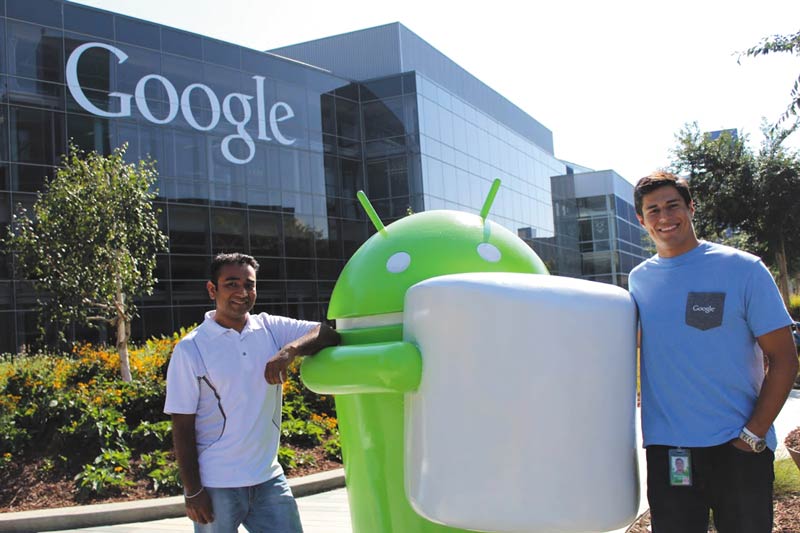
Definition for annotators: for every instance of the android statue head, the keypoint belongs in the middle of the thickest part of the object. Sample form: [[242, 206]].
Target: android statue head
[[421, 246]]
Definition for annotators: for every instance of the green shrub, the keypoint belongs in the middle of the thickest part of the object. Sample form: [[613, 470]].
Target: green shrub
[[153, 435], [94, 428], [6, 460], [308, 418], [162, 470], [301, 432], [794, 306], [107, 475], [333, 448], [305, 458], [287, 458], [74, 410], [12, 438]]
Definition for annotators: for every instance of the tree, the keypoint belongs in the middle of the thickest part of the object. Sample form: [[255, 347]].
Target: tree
[[91, 243], [722, 176], [744, 197], [779, 186], [781, 43]]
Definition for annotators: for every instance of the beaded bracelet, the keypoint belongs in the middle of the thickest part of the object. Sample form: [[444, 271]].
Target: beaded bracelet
[[196, 494]]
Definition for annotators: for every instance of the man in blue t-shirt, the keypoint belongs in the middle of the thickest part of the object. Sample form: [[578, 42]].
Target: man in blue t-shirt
[[709, 314]]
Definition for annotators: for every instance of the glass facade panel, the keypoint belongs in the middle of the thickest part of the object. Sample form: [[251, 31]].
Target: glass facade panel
[[386, 118], [88, 21], [45, 12], [221, 53], [189, 229], [266, 233], [271, 268], [229, 231], [138, 32], [3, 52], [298, 237], [378, 180], [3, 145], [155, 321], [189, 293], [29, 178], [34, 93], [91, 133], [348, 123], [600, 228], [181, 43], [189, 267], [37, 135], [9, 327], [382, 89], [35, 52], [301, 269], [271, 292], [353, 235]]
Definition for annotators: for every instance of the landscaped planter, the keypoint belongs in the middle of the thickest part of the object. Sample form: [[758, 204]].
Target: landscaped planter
[[792, 443]]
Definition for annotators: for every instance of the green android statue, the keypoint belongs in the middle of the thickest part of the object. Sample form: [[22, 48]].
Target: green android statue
[[374, 368]]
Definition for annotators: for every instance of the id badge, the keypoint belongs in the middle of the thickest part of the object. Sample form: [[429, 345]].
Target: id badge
[[680, 467]]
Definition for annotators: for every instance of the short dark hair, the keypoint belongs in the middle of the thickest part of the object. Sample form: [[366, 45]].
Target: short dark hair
[[230, 259], [656, 180]]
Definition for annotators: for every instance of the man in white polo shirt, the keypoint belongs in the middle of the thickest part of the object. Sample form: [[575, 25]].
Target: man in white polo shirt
[[224, 396]]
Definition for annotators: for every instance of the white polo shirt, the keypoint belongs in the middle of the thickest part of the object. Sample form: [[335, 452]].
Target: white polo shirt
[[237, 435]]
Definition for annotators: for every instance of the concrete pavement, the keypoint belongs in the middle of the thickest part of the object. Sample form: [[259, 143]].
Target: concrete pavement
[[148, 515], [326, 512]]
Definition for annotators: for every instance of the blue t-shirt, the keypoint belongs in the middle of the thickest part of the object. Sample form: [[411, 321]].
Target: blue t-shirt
[[702, 369]]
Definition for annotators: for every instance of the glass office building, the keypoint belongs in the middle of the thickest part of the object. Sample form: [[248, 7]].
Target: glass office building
[[609, 237], [263, 152]]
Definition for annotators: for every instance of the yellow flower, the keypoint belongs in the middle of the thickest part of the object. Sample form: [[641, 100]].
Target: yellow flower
[[117, 469]]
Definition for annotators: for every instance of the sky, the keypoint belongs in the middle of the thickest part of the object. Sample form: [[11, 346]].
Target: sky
[[614, 80]]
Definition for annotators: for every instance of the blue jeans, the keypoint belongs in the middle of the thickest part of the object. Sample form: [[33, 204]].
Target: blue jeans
[[265, 508]]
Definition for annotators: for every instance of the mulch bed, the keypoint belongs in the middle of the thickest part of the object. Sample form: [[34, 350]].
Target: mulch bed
[[786, 517], [30, 486]]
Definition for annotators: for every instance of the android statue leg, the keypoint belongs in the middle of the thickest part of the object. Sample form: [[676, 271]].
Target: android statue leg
[[371, 432]]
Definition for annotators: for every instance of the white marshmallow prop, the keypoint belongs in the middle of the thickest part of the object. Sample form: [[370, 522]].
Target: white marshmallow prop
[[524, 418]]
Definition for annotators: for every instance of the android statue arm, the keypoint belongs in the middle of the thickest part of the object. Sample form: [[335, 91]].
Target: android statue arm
[[393, 366]]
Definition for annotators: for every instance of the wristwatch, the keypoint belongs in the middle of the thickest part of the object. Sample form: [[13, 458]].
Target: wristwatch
[[756, 443]]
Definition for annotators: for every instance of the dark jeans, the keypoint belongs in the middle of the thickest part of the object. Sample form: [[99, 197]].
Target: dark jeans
[[735, 485]]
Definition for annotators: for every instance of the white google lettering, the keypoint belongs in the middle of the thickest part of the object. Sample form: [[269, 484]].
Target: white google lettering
[[274, 119], [144, 108], [243, 135], [279, 112], [77, 91], [186, 108], [706, 310], [262, 122]]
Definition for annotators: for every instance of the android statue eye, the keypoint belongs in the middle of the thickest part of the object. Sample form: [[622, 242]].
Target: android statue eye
[[489, 252], [398, 262]]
